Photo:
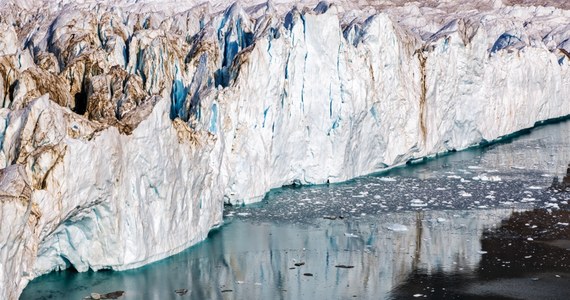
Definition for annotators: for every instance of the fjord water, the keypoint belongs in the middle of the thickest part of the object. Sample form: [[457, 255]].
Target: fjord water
[[473, 224]]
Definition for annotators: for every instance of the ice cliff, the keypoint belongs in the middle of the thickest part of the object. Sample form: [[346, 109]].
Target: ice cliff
[[125, 126]]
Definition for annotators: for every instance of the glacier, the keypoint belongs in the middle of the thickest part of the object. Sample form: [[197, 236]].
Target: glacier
[[126, 126]]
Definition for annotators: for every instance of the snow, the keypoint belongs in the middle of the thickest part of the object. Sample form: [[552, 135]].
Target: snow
[[127, 124]]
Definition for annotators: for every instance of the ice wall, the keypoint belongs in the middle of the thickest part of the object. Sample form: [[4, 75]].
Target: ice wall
[[126, 126]]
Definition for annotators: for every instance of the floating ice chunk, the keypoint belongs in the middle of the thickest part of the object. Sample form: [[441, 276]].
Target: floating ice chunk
[[243, 214], [454, 177], [387, 179], [441, 220], [562, 224], [397, 227], [482, 252], [418, 295], [464, 194], [350, 235], [535, 188], [485, 177]]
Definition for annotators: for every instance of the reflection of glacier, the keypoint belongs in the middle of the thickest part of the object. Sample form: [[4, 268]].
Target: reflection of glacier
[[542, 151], [382, 258], [253, 259]]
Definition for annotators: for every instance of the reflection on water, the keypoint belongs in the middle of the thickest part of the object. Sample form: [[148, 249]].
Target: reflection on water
[[564, 185], [526, 257], [489, 222], [256, 260]]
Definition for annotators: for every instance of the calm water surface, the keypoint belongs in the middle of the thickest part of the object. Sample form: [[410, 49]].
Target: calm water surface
[[479, 224]]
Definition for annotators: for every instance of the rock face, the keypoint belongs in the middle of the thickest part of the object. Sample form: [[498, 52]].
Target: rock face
[[125, 126]]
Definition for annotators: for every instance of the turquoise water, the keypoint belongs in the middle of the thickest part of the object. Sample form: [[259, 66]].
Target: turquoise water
[[475, 224]]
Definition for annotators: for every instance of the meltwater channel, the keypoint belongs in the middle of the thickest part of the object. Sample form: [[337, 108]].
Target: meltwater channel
[[490, 222]]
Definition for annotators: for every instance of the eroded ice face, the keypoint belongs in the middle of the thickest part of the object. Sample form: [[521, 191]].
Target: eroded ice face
[[518, 173], [195, 104], [379, 237]]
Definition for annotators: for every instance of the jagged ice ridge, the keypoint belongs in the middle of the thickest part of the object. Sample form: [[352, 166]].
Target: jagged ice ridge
[[125, 126]]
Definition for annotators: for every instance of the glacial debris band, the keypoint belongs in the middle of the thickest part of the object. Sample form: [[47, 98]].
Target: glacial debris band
[[125, 126]]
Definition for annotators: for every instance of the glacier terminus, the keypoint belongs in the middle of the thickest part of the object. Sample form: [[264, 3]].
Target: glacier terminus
[[126, 125]]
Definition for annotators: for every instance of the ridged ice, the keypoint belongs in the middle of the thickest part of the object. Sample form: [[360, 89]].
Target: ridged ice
[[125, 126]]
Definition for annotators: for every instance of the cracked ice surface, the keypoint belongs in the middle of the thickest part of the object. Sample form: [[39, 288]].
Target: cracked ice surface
[[126, 125]]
